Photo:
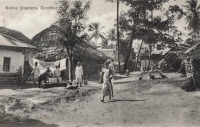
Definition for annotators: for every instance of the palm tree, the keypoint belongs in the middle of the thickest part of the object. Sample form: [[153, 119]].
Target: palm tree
[[192, 14], [112, 36], [95, 28]]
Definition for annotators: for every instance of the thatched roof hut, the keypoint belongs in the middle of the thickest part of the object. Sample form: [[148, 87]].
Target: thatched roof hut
[[50, 45]]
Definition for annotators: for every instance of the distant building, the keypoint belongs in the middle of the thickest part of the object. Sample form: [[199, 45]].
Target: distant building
[[156, 56], [112, 53]]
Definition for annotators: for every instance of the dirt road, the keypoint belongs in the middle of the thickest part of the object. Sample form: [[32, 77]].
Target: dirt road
[[155, 103]]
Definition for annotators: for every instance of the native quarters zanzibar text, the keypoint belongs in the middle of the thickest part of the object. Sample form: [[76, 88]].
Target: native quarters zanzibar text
[[30, 8]]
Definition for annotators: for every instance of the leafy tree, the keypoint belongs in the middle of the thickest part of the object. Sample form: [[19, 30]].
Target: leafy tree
[[71, 23], [95, 28], [192, 14], [140, 23]]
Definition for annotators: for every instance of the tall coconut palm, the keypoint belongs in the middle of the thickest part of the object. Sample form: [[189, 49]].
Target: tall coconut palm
[[192, 14], [95, 28]]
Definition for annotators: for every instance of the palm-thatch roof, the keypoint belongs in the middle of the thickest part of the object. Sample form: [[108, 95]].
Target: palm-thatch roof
[[50, 44], [14, 34]]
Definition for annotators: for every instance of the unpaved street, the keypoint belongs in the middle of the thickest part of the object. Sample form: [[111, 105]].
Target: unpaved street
[[153, 103]]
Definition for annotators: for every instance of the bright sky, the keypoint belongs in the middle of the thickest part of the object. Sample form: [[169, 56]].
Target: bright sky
[[31, 22]]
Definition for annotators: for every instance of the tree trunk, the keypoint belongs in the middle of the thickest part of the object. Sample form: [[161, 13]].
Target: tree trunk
[[129, 52], [144, 11], [118, 36], [145, 61], [150, 50], [71, 63], [137, 58]]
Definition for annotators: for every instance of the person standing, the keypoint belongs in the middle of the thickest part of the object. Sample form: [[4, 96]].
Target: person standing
[[79, 74], [106, 89], [57, 73], [36, 72], [112, 68]]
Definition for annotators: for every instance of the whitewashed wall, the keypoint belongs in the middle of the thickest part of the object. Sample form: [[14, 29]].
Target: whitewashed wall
[[17, 60]]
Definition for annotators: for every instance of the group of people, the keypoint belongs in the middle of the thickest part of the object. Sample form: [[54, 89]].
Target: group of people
[[38, 77], [107, 78]]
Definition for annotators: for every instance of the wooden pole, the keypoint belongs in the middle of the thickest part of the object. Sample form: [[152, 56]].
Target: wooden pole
[[118, 35]]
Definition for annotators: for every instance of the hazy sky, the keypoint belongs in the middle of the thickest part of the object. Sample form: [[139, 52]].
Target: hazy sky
[[31, 22]]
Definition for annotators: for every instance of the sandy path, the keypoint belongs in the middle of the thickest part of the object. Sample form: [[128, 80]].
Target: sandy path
[[136, 104]]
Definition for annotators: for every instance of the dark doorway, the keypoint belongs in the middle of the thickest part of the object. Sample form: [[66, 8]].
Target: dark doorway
[[6, 64]]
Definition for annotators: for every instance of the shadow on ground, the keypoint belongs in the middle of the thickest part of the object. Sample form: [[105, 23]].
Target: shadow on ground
[[16, 122], [130, 100]]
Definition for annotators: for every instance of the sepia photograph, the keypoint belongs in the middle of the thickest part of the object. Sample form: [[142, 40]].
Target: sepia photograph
[[99, 63]]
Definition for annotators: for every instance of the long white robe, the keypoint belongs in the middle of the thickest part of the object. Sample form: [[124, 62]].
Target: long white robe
[[79, 74]]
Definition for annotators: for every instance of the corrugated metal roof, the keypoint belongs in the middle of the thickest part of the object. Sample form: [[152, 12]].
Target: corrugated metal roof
[[12, 42]]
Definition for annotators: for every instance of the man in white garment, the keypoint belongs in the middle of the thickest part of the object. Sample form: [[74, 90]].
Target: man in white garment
[[79, 74], [57, 73], [36, 72], [111, 67]]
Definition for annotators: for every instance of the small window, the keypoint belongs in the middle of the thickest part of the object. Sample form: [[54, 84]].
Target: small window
[[6, 64]]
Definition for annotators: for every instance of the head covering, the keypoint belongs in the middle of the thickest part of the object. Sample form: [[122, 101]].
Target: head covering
[[108, 61]]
